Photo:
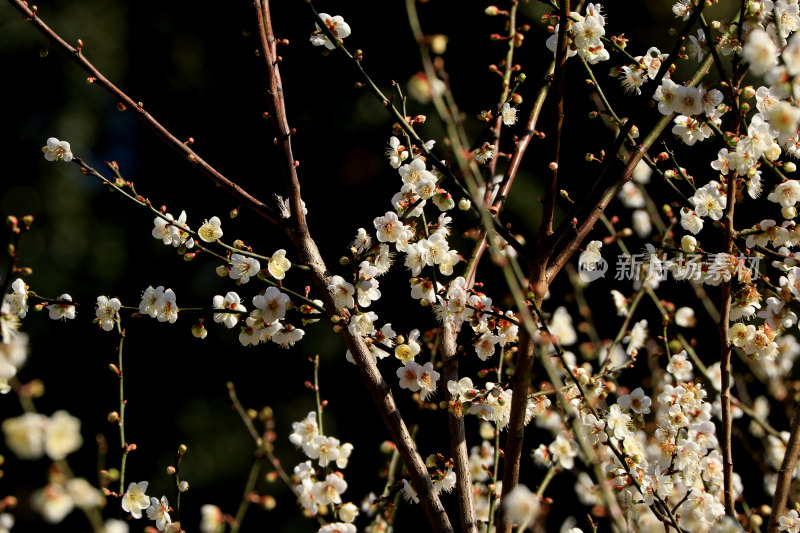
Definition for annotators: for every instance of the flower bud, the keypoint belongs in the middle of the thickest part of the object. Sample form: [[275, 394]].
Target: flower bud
[[268, 502], [491, 11], [183, 486], [171, 470], [182, 449], [199, 331], [789, 212], [222, 271], [748, 92], [113, 417], [789, 167], [348, 512], [464, 204], [688, 244]]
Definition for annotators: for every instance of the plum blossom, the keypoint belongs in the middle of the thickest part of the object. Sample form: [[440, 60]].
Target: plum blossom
[[211, 230], [107, 312], [231, 302], [135, 500], [62, 309], [760, 51], [159, 512], [272, 304], [342, 293], [17, 299], [242, 267], [521, 505], [56, 150], [338, 27], [509, 114], [278, 264], [396, 152]]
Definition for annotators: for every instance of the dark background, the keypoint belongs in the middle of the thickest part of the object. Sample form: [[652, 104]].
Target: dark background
[[192, 65]]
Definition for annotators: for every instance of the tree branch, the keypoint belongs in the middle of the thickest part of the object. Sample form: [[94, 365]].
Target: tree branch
[[97, 78]]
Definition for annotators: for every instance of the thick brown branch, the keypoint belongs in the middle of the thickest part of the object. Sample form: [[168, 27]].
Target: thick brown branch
[[785, 474], [309, 255], [99, 79], [458, 440], [512, 452]]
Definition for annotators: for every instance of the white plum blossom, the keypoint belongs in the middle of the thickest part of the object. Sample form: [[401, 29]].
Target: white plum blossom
[[56, 150], [62, 435], [53, 502], [166, 307], [760, 51], [285, 335], [691, 130], [231, 301], [564, 451], [787, 193], [362, 242], [390, 229], [17, 299], [637, 337], [159, 512], [362, 324], [521, 505], [342, 293], [63, 309], [243, 267], [107, 312], [25, 435], [278, 264], [272, 304], [680, 367], [415, 172], [690, 221], [416, 377], [396, 152], [708, 202], [150, 298], [338, 27], [485, 347], [135, 499], [509, 114], [211, 230]]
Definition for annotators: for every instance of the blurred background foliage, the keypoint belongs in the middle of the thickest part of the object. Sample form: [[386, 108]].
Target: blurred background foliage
[[193, 66]]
